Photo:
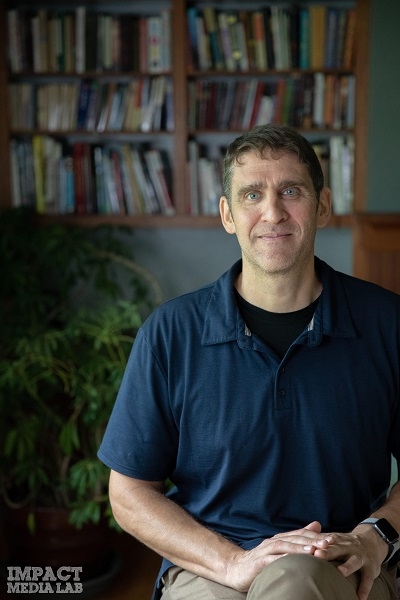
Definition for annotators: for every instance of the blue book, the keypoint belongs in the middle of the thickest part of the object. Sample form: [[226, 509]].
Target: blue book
[[304, 38]]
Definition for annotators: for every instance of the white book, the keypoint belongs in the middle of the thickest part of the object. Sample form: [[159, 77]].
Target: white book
[[336, 174], [318, 100], [193, 152], [265, 111], [154, 44]]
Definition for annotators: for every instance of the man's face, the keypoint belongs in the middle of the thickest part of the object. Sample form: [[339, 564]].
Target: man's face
[[274, 212]]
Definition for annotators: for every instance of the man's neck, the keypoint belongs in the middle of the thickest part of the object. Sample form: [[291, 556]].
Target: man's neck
[[279, 292]]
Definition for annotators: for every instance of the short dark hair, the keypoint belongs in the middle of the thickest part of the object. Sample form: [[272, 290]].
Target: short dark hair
[[276, 138]]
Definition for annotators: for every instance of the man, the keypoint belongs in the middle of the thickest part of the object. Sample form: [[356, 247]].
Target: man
[[270, 398]]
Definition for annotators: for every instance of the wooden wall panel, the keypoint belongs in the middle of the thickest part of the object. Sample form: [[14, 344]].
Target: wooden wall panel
[[377, 249]]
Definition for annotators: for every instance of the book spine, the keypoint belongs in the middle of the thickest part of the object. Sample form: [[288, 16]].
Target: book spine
[[80, 45]]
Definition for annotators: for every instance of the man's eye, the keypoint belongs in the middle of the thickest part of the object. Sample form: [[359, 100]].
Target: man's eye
[[252, 196], [290, 191]]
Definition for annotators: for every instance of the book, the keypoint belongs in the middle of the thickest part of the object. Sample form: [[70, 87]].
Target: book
[[80, 34], [259, 40], [348, 56], [269, 42], [39, 173], [15, 175], [191, 17], [90, 42], [318, 100], [252, 89], [233, 22], [110, 187], [331, 38], [317, 35], [247, 31], [79, 178], [223, 24], [150, 203], [101, 193], [14, 40], [159, 180], [133, 195], [244, 60], [117, 176], [280, 37], [154, 44], [211, 29], [193, 159], [304, 38], [341, 173]]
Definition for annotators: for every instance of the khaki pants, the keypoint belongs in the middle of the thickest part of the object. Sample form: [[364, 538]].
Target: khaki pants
[[292, 577]]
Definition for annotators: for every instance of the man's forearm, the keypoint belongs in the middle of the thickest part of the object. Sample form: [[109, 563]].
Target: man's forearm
[[142, 510]]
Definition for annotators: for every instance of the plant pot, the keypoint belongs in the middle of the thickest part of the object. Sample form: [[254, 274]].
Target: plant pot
[[56, 543]]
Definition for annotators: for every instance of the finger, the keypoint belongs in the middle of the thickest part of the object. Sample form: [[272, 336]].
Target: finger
[[279, 546], [350, 566], [365, 586], [306, 537], [315, 526]]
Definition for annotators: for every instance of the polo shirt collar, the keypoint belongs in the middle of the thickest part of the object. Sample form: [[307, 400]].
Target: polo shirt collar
[[223, 321]]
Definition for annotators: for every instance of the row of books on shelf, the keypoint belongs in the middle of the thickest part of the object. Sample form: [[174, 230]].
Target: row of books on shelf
[[85, 178], [84, 40], [142, 104], [336, 156], [318, 100], [274, 37]]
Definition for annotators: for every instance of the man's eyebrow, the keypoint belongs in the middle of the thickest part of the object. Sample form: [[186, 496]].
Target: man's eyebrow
[[260, 185], [249, 187], [290, 182]]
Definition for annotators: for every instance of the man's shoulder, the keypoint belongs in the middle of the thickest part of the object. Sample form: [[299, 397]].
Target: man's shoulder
[[195, 304], [359, 289]]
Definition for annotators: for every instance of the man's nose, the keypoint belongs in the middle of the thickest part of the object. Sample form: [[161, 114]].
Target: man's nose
[[273, 210]]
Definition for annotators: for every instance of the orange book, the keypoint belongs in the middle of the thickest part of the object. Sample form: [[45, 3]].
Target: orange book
[[317, 36], [350, 32]]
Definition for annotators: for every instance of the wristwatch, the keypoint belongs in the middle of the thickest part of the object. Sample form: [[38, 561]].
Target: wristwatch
[[387, 533]]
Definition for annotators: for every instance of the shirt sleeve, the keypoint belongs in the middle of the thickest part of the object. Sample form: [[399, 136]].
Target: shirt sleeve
[[140, 440]]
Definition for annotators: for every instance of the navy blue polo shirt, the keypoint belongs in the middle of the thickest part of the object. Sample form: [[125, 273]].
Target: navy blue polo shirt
[[255, 444]]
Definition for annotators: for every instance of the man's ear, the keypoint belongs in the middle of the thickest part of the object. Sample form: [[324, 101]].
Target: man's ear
[[226, 215], [324, 211]]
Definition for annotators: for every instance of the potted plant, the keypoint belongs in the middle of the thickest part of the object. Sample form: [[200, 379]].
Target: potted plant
[[71, 301]]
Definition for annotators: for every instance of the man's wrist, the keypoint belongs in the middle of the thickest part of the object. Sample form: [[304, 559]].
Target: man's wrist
[[387, 533]]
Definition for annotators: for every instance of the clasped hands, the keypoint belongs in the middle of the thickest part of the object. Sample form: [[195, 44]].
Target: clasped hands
[[361, 550]]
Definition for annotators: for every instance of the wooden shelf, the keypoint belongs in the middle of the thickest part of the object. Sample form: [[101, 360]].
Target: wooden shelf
[[177, 140]]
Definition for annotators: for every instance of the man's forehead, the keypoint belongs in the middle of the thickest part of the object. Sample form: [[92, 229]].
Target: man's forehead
[[270, 161]]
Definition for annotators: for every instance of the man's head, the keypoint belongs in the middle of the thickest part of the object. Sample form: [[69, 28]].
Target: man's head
[[275, 139]]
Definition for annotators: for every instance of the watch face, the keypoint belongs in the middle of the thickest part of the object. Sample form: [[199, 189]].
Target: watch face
[[387, 530]]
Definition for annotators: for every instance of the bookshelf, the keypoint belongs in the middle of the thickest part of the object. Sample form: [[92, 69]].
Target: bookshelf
[[181, 126]]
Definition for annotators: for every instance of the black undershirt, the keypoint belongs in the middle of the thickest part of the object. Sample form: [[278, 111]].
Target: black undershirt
[[278, 330]]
